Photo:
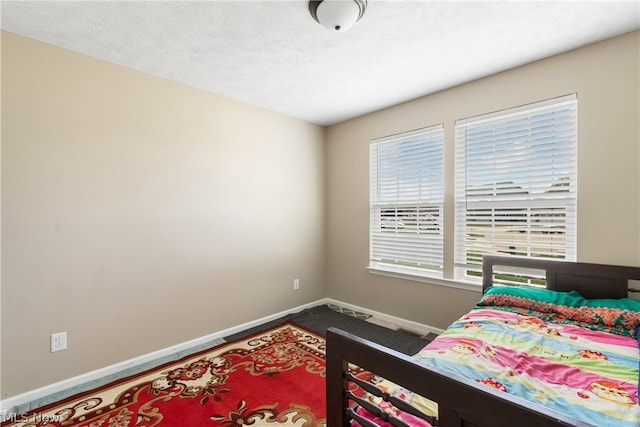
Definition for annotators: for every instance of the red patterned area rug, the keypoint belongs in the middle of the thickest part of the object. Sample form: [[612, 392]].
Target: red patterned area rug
[[275, 378]]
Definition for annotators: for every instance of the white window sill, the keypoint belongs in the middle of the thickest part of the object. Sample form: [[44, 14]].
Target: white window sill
[[420, 276]]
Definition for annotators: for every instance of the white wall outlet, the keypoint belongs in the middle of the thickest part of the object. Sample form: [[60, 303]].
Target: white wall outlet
[[296, 284], [58, 341]]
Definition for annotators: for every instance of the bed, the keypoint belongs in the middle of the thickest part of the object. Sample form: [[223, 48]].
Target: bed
[[550, 343]]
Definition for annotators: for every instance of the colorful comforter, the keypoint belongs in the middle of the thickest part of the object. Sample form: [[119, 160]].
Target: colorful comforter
[[575, 356]]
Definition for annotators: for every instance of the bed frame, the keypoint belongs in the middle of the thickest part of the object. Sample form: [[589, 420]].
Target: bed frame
[[461, 402]]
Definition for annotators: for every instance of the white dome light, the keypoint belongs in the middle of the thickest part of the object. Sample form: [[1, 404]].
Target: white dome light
[[337, 15]]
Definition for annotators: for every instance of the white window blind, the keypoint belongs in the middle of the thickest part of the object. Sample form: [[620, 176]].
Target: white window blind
[[516, 187], [406, 201]]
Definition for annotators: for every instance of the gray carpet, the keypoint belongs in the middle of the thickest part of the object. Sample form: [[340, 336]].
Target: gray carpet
[[320, 318]]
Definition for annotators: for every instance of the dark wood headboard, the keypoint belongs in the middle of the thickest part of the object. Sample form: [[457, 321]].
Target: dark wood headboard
[[590, 280]]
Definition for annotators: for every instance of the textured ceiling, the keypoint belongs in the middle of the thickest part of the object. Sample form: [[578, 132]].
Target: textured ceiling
[[272, 54]]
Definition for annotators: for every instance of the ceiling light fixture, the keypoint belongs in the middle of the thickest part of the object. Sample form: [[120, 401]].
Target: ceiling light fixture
[[337, 15]]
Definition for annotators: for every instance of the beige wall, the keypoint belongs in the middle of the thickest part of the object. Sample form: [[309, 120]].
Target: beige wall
[[138, 213], [606, 78]]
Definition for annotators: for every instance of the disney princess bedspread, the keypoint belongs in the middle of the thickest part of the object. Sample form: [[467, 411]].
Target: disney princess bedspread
[[575, 356]]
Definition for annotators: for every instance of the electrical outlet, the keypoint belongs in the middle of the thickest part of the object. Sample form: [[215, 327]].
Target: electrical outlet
[[58, 341], [296, 284]]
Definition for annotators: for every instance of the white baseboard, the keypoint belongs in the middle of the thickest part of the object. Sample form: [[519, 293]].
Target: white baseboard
[[408, 325], [21, 402]]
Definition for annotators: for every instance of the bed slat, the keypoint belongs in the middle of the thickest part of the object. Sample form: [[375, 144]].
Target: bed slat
[[398, 403]]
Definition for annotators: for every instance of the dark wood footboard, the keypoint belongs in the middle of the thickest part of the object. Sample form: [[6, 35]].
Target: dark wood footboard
[[460, 402]]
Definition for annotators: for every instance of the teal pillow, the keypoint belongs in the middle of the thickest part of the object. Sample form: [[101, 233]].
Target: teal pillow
[[620, 304], [622, 314], [532, 294]]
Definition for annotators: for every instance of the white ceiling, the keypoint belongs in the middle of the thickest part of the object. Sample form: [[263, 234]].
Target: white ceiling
[[272, 54]]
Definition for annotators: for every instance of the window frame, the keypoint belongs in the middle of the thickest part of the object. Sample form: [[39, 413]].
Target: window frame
[[406, 204], [546, 205]]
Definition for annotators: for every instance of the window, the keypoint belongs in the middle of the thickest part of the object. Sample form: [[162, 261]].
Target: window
[[516, 184], [406, 202]]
